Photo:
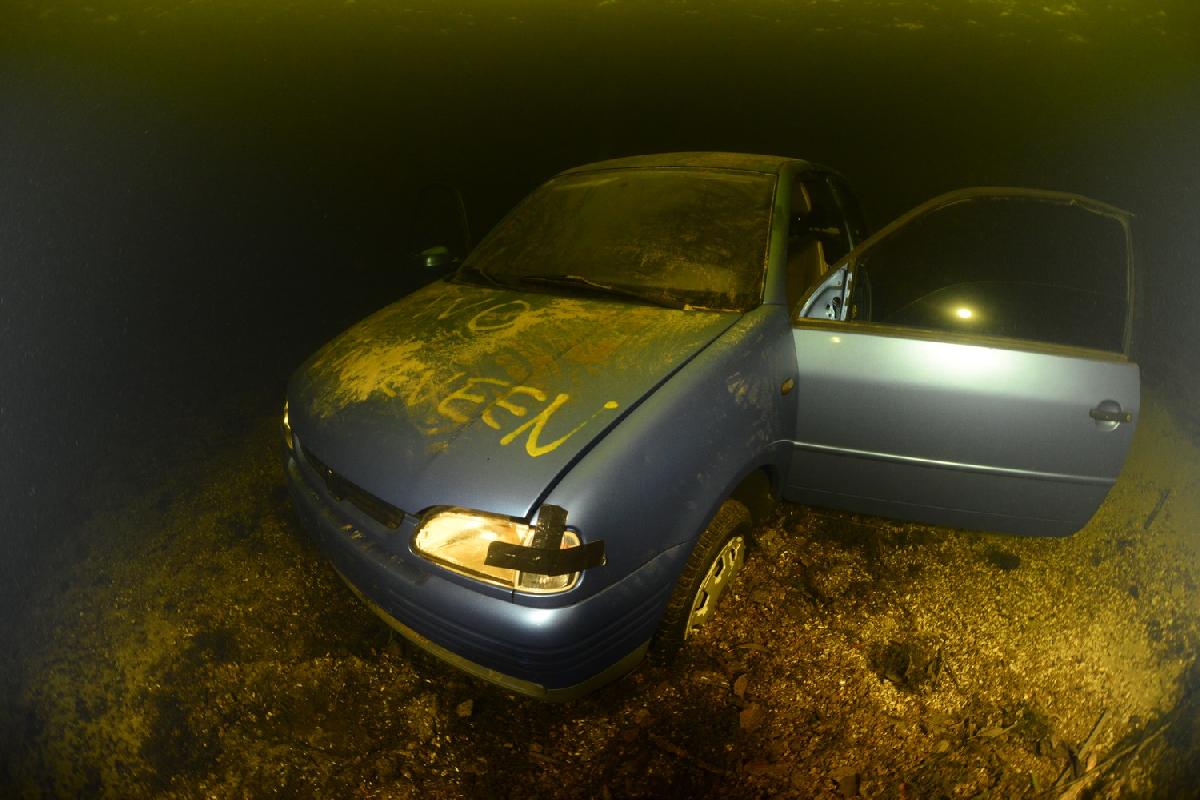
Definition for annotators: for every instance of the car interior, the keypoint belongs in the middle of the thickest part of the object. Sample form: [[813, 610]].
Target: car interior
[[817, 238]]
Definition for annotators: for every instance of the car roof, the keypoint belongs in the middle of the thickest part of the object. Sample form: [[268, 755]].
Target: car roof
[[696, 160]]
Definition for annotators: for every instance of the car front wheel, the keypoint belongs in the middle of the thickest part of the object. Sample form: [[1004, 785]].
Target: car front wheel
[[711, 568]]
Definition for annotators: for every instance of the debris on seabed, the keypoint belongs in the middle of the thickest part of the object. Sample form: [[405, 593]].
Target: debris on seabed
[[203, 647]]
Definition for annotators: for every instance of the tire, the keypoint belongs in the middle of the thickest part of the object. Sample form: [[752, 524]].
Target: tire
[[713, 565]]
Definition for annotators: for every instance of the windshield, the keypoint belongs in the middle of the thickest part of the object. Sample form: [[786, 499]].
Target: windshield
[[668, 236]]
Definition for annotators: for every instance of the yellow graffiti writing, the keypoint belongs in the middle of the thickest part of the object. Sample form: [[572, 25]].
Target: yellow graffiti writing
[[420, 389], [497, 317], [474, 392], [454, 306], [464, 394], [486, 314], [505, 402], [535, 426]]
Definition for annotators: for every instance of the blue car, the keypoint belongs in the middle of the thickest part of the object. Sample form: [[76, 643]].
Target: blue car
[[550, 462]]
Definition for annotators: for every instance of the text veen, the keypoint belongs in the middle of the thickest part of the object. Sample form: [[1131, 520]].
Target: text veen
[[507, 403]]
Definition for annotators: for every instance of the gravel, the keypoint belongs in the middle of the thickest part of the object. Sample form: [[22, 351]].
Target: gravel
[[199, 646]]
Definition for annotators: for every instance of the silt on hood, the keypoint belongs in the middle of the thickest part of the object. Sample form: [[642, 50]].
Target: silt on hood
[[478, 396]]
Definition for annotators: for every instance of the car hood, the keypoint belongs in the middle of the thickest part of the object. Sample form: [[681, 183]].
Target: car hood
[[477, 396]]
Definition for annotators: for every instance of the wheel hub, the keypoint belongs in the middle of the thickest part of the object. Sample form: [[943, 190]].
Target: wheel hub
[[720, 574]]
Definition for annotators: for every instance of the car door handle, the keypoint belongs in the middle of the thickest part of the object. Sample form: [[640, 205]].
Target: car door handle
[[1110, 411]]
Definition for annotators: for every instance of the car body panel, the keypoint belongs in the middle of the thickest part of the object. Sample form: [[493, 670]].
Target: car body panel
[[478, 396], [615, 608], [965, 435], [652, 483], [552, 648]]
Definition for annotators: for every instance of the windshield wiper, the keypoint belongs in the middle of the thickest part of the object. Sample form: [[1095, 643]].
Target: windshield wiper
[[596, 287], [469, 269]]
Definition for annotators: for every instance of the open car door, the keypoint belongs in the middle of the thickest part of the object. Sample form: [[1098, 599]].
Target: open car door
[[969, 365]]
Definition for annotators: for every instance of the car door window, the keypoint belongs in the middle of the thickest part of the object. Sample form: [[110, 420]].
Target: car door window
[[805, 256], [818, 234], [1018, 266], [856, 224], [826, 222]]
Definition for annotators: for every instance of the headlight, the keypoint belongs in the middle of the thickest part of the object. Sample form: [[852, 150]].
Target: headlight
[[459, 540], [287, 426]]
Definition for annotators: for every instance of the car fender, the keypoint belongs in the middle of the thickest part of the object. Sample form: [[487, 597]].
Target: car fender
[[656, 479]]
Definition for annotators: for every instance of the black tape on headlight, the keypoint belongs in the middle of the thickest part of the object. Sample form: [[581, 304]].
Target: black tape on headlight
[[548, 530], [544, 555], [541, 561]]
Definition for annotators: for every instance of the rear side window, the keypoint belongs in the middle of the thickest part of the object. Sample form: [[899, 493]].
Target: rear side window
[[1013, 266]]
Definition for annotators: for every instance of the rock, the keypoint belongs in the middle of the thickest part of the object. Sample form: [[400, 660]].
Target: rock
[[751, 717], [847, 781]]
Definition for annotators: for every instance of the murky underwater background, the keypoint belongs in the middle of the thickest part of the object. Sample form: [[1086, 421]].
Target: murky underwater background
[[195, 195]]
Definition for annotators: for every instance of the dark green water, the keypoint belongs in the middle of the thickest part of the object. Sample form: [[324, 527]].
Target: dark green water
[[193, 195]]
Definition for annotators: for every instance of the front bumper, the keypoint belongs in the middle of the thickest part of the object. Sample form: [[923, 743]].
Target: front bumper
[[499, 678], [553, 653]]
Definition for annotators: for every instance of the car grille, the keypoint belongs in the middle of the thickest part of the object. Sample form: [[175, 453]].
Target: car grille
[[342, 489]]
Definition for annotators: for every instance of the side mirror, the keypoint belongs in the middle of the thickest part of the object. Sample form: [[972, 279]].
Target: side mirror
[[437, 259], [438, 232]]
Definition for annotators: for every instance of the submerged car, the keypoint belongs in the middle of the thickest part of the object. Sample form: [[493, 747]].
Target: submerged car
[[550, 461]]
